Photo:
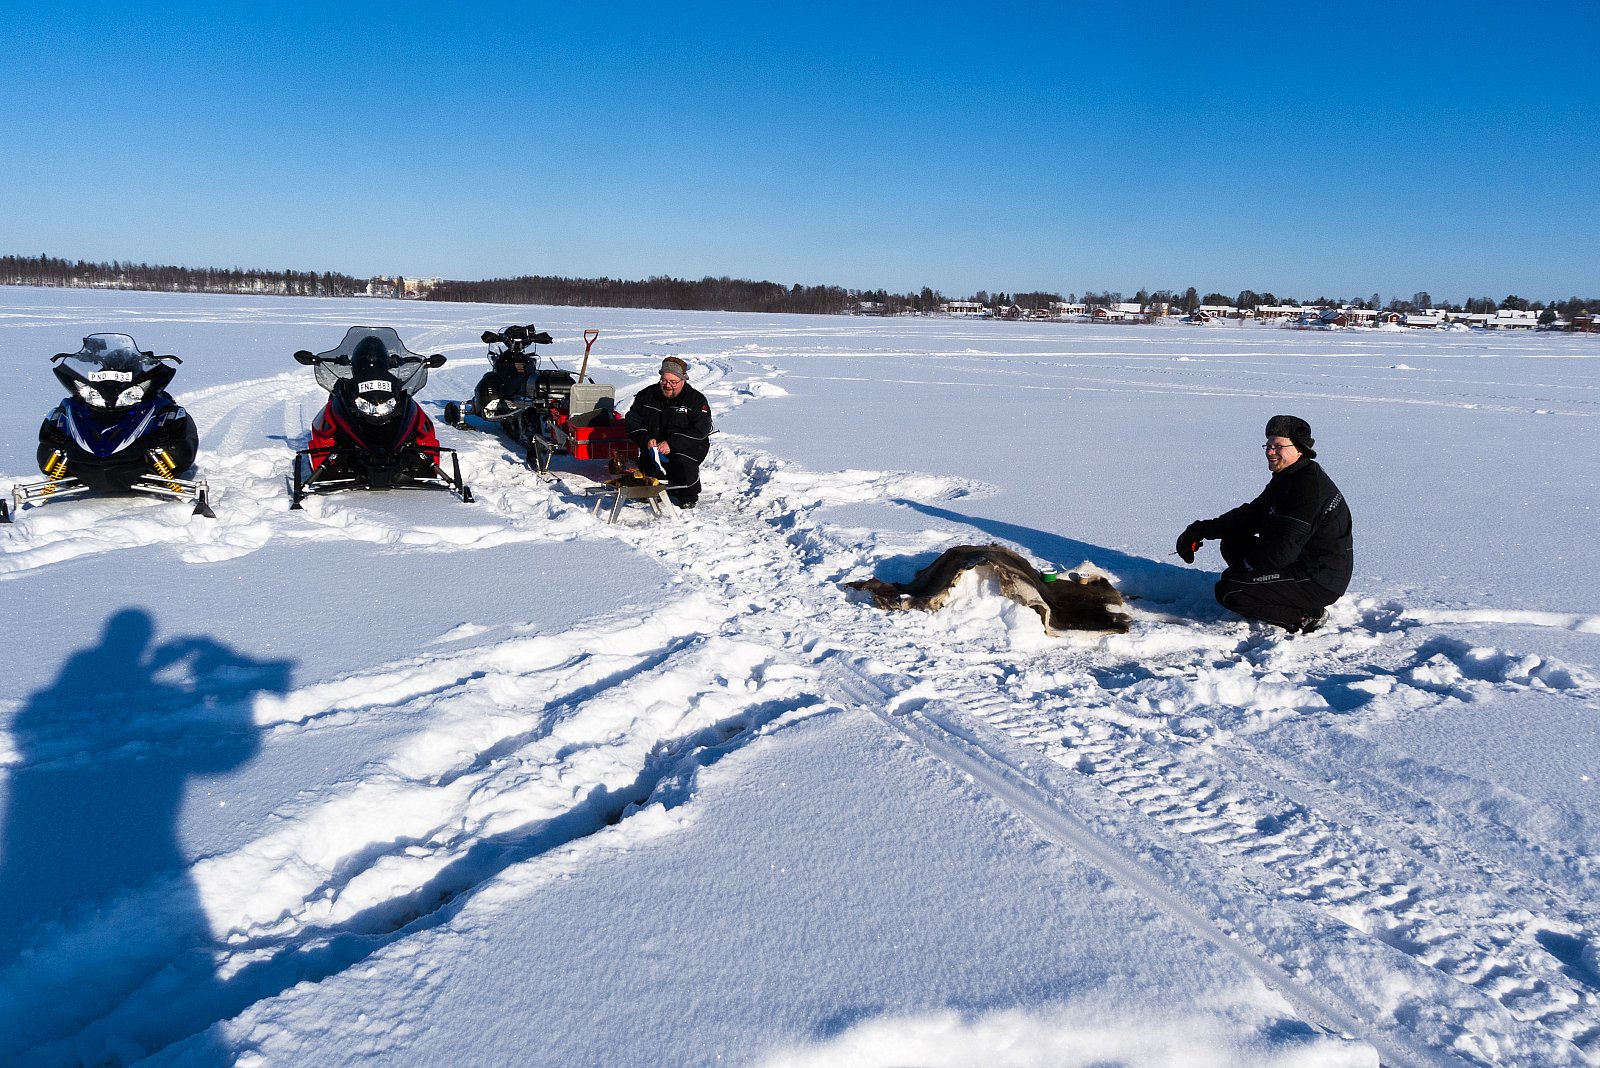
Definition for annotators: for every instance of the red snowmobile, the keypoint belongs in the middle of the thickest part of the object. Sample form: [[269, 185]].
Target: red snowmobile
[[372, 434]]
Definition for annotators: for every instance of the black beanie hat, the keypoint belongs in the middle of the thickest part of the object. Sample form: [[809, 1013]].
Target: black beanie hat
[[1297, 430]]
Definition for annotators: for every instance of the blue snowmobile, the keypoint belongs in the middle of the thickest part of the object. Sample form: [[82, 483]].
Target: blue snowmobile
[[117, 431]]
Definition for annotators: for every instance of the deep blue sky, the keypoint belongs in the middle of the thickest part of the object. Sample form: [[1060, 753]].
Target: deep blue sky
[[1346, 150]]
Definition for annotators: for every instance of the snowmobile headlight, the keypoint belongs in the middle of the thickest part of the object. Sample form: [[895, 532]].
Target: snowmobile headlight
[[130, 396], [91, 396], [377, 411]]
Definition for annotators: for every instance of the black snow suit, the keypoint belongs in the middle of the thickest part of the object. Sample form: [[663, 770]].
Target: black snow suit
[[1290, 552], [684, 423]]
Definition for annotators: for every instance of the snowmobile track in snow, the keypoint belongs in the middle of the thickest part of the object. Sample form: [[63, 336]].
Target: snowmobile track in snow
[[1495, 951], [1009, 777]]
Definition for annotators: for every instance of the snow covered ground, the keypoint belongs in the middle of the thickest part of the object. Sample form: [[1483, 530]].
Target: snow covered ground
[[402, 780]]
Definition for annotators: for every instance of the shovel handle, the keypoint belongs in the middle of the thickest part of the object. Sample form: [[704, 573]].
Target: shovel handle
[[588, 343]]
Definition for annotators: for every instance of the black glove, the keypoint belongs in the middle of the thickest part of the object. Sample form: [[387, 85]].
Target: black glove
[[1193, 536]]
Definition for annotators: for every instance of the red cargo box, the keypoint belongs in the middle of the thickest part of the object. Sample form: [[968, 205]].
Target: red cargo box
[[601, 443]]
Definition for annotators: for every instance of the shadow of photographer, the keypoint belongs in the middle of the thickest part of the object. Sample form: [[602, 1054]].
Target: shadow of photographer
[[106, 950]]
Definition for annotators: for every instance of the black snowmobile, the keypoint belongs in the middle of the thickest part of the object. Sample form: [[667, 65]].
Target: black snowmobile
[[546, 410], [372, 434], [515, 392], [118, 430]]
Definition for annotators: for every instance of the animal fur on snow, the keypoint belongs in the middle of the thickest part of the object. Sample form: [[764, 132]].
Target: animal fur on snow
[[1072, 602]]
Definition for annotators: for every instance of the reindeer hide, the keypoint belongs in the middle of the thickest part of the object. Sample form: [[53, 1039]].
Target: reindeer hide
[[1072, 602]]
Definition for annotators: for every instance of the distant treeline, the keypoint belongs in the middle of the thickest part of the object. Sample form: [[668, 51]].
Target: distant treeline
[[708, 294], [52, 271]]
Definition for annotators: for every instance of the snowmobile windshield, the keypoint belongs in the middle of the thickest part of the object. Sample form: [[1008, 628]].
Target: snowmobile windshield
[[367, 350], [114, 352]]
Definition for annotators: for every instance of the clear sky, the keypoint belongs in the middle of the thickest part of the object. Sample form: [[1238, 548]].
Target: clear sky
[[1310, 150]]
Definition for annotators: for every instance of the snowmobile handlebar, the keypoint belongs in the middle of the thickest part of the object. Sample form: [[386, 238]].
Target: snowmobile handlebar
[[516, 337], [58, 357], [311, 359]]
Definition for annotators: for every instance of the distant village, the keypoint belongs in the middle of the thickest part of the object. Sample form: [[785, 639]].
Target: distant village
[[1306, 317]]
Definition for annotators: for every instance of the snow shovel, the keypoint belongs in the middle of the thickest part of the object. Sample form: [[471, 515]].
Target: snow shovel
[[588, 343]]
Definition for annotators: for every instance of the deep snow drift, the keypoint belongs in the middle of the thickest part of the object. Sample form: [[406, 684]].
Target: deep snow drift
[[403, 778]]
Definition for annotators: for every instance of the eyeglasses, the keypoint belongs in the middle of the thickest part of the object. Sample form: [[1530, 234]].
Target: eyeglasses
[[1277, 448]]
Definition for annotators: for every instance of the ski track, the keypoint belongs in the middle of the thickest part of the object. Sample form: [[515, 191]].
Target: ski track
[[1440, 937]]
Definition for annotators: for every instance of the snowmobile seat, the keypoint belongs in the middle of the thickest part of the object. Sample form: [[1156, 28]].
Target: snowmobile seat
[[550, 386]]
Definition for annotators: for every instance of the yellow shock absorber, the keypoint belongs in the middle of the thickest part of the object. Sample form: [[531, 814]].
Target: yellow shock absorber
[[55, 468], [161, 463]]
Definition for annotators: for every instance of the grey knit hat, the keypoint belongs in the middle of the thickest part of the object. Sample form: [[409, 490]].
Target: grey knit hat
[[1297, 430], [674, 366]]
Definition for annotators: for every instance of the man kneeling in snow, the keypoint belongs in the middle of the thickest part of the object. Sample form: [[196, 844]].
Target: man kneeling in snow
[[1289, 551], [671, 423]]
